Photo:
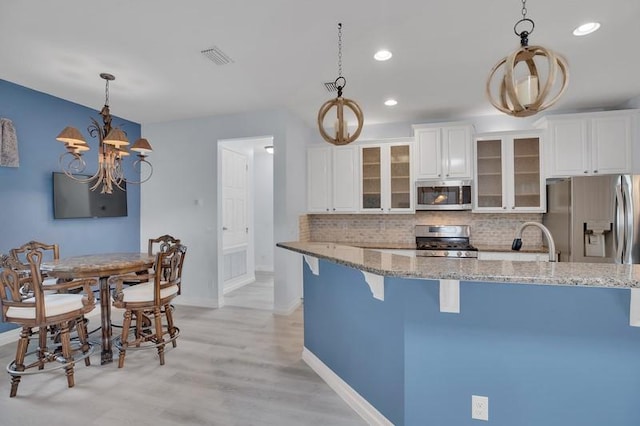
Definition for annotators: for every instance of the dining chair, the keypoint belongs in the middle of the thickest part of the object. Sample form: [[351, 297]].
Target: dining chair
[[49, 252], [150, 299], [24, 302]]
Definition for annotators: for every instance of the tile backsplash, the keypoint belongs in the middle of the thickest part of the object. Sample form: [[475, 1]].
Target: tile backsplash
[[486, 228]]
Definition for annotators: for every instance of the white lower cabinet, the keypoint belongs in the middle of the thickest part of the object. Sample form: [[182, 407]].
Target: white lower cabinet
[[332, 179], [508, 173]]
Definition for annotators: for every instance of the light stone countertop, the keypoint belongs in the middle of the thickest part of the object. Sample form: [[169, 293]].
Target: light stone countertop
[[519, 272]]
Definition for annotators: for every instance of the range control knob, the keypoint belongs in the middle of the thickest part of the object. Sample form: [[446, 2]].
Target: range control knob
[[459, 254]]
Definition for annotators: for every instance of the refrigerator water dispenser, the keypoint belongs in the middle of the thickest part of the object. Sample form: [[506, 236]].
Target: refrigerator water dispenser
[[595, 235]]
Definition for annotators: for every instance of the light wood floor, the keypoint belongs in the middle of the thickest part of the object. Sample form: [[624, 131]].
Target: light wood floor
[[233, 366], [258, 295]]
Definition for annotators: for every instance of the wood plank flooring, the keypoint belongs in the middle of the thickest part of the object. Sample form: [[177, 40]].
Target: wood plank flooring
[[233, 366]]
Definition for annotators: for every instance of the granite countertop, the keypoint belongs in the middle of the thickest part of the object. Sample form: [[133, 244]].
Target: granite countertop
[[544, 273]]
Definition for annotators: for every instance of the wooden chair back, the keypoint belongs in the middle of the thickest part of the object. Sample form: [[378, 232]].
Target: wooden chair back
[[161, 244], [22, 290], [168, 267]]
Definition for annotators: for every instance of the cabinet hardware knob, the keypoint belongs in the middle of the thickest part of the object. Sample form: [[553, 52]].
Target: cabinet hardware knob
[[334, 209], [504, 207], [595, 171], [586, 171], [447, 174], [513, 207], [439, 174]]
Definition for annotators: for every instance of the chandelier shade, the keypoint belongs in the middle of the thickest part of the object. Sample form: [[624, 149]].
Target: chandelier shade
[[71, 136], [112, 143]]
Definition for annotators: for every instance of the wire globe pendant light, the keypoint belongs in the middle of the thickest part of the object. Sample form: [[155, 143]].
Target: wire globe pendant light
[[525, 90], [112, 142], [341, 135]]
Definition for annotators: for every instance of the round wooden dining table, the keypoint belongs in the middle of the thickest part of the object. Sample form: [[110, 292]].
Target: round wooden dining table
[[102, 266]]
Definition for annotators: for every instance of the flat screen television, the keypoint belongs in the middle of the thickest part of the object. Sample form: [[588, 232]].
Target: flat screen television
[[72, 199]]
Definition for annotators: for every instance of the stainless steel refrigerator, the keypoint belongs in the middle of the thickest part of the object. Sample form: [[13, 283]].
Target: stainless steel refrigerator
[[595, 218]]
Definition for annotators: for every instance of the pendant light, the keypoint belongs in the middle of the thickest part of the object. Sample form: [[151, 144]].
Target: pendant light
[[523, 91], [341, 134]]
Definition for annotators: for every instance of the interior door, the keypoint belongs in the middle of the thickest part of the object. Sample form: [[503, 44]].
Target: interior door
[[234, 199]]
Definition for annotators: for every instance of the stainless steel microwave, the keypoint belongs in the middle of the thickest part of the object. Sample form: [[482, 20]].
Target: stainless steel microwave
[[443, 195]]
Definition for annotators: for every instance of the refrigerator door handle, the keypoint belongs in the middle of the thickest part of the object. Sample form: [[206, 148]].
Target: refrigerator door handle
[[628, 231], [620, 224]]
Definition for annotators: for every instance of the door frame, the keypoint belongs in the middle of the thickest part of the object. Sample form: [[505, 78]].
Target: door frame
[[228, 143]]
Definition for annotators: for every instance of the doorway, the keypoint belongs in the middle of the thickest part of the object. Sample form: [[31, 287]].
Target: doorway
[[245, 220]]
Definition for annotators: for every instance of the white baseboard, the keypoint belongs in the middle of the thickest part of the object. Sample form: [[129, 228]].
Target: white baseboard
[[236, 283], [360, 405], [197, 302], [10, 336], [289, 309]]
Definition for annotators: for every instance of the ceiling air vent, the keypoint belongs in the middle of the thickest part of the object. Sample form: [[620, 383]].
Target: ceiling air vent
[[330, 86], [217, 56]]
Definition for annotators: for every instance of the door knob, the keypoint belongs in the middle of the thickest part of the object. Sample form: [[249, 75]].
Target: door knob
[[224, 228]]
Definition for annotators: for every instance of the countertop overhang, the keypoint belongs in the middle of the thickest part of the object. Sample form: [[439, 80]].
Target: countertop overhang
[[435, 268]]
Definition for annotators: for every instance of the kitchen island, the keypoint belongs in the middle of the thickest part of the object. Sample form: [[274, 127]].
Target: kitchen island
[[408, 340]]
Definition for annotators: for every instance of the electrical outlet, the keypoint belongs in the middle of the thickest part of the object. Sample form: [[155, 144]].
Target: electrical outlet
[[480, 407]]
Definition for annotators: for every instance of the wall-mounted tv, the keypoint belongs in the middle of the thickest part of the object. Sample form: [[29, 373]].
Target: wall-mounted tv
[[72, 199]]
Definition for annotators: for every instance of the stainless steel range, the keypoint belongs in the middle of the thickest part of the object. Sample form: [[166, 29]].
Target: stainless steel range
[[444, 241]]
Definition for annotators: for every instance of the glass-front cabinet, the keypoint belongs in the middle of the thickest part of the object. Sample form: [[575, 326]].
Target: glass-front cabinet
[[386, 177], [508, 173], [372, 178]]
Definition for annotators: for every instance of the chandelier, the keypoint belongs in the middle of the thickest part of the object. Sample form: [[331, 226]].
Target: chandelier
[[523, 90], [112, 143], [342, 136]]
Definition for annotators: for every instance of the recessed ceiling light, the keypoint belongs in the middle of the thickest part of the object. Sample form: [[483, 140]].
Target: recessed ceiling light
[[587, 28], [390, 102], [382, 55]]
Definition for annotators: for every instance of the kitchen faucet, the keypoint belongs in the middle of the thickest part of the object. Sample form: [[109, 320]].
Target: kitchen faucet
[[517, 242]]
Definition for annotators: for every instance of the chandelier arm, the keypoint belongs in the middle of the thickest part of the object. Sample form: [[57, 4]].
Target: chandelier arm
[[488, 87], [321, 114], [551, 77], [141, 161], [359, 115], [510, 82], [562, 64]]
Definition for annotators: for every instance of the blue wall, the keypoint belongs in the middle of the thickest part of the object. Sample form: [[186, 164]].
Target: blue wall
[[544, 355], [26, 204]]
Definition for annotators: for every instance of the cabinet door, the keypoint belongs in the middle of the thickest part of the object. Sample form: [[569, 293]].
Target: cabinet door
[[429, 158], [319, 179], [456, 147], [570, 151], [527, 183], [611, 144], [345, 179], [400, 186], [371, 182], [490, 179]]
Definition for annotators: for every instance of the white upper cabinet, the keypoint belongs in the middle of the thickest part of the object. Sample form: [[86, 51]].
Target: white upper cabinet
[[386, 177], [589, 143], [444, 151], [509, 176], [332, 179]]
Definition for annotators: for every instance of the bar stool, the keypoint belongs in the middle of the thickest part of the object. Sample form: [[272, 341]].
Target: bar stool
[[25, 303]]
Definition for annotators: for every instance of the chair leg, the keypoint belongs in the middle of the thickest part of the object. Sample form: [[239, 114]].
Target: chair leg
[[158, 320], [172, 331], [66, 352], [42, 346], [124, 342], [21, 351], [81, 328]]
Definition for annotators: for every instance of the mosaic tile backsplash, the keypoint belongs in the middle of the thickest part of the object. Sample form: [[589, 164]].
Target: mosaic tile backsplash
[[486, 229]]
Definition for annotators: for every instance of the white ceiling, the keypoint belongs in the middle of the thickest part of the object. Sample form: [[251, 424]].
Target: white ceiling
[[284, 50]]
